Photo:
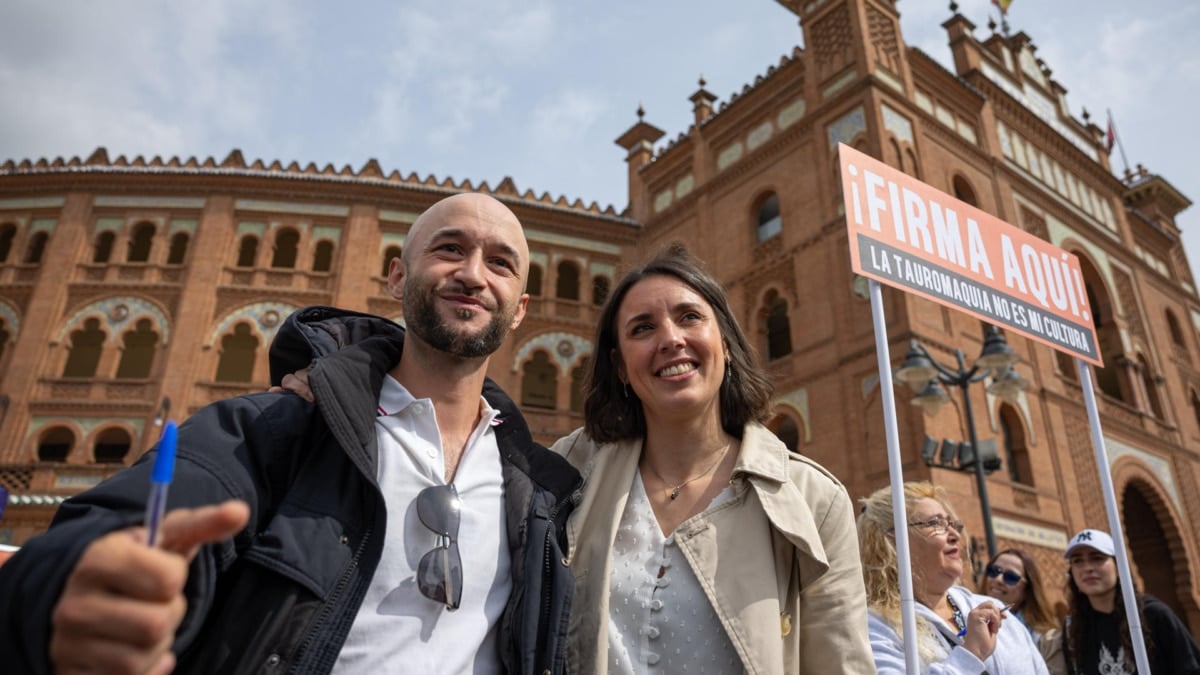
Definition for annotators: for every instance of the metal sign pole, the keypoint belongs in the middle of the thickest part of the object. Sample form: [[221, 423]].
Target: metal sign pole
[[1114, 519], [908, 610]]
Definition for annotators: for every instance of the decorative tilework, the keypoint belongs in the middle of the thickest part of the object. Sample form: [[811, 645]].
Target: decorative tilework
[[34, 203], [728, 155], [333, 234], [109, 225], [565, 348], [896, 123], [791, 113], [759, 135], [120, 314], [246, 227], [12, 321], [149, 202], [847, 127], [662, 200], [292, 207], [797, 400], [265, 318], [544, 237], [1158, 466], [684, 185]]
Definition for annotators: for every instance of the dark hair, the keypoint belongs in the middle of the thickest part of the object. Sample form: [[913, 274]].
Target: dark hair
[[1035, 609], [1080, 615], [612, 413]]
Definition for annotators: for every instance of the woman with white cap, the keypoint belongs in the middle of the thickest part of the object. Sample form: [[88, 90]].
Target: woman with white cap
[[1096, 636]]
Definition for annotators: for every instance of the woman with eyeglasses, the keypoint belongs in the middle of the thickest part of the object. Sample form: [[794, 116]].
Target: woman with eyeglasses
[[957, 631], [1012, 577], [1096, 636], [700, 544]]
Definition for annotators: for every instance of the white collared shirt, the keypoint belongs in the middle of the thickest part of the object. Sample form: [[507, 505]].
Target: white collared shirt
[[397, 628]]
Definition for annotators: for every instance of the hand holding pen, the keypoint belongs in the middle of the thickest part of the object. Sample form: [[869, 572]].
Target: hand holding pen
[[1003, 609], [123, 600], [982, 625]]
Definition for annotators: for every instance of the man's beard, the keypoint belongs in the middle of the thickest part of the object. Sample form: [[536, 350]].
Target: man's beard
[[421, 317]]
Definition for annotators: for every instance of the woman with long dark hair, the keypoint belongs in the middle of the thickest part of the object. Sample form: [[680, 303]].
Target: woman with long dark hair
[[1013, 578], [1096, 637], [700, 543]]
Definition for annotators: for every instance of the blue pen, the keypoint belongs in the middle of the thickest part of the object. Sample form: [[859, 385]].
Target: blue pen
[[160, 482]]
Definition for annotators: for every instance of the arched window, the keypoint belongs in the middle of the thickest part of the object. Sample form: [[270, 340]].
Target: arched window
[[179, 245], [1066, 365], [104, 247], [1110, 379], [247, 251], [534, 286], [770, 222], [111, 446], [1175, 330], [287, 242], [138, 355], [8, 232], [323, 257], [1153, 403], [779, 328], [140, 242], [963, 191], [578, 377], [237, 355], [388, 255], [83, 355], [599, 290], [568, 281], [539, 385], [55, 445], [788, 432], [1016, 452], [37, 247]]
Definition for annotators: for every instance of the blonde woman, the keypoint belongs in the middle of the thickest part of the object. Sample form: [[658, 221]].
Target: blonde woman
[[958, 631]]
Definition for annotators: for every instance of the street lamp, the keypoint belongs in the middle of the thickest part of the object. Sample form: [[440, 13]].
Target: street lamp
[[926, 376]]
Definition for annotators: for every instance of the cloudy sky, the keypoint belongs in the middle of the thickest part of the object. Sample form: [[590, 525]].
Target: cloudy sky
[[533, 89]]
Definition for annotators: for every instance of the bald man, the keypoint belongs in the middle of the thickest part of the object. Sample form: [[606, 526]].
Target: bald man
[[405, 521]]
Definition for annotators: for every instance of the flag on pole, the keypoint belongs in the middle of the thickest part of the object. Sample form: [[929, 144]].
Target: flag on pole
[[1110, 138], [1003, 5]]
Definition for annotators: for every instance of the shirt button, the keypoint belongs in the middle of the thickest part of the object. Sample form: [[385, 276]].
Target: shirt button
[[345, 540], [652, 632], [273, 660], [656, 605], [431, 452], [652, 659], [662, 582]]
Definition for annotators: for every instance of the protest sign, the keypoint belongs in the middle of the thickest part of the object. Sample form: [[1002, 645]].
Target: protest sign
[[906, 234]]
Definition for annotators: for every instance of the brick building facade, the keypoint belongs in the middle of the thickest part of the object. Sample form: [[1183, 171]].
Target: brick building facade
[[134, 289]]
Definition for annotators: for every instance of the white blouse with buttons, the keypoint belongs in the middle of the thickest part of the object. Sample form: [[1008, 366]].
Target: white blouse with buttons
[[660, 620]]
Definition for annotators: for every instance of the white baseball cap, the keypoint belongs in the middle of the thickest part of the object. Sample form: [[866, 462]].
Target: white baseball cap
[[1096, 539]]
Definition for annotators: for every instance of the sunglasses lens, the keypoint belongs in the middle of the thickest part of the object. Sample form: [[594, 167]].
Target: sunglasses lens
[[439, 509], [439, 575], [1012, 578]]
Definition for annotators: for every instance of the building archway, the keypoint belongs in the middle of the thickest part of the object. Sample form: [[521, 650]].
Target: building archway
[[1156, 546]]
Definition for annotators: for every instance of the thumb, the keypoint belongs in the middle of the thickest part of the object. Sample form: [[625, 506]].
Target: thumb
[[185, 530]]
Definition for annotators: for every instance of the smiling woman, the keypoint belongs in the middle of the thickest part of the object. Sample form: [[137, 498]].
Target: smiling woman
[[957, 630], [678, 470]]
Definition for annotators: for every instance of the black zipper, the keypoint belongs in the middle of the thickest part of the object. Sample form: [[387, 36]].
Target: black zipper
[[334, 600]]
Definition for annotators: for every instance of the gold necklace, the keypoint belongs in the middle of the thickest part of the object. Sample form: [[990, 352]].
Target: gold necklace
[[673, 492]]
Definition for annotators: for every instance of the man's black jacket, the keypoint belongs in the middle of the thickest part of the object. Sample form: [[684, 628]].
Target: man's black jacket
[[281, 595]]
